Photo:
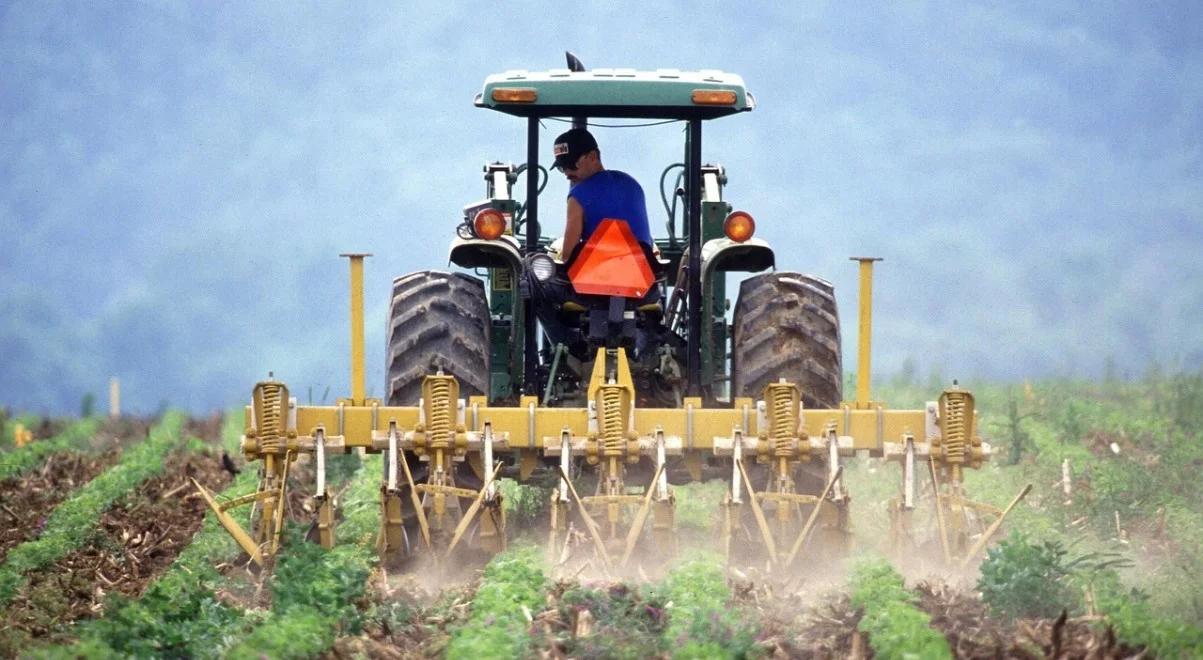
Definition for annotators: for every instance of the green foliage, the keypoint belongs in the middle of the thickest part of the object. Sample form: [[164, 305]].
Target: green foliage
[[497, 627], [1020, 440], [697, 504], [1021, 578], [317, 593], [87, 405], [701, 623], [1024, 579], [174, 617], [1182, 402], [19, 461], [1124, 487], [896, 628], [1134, 622], [232, 425], [524, 505], [627, 624], [69, 525], [8, 423]]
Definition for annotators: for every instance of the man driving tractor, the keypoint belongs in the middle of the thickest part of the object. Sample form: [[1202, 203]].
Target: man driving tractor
[[596, 193]]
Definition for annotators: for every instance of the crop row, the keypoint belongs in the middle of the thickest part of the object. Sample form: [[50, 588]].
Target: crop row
[[183, 613], [19, 460], [178, 613], [69, 525], [315, 592]]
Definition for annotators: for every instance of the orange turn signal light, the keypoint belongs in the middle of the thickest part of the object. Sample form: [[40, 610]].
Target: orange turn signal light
[[739, 226], [489, 224], [714, 97], [515, 95]]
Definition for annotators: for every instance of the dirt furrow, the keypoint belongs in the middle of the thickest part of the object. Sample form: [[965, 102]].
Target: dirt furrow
[[133, 542]]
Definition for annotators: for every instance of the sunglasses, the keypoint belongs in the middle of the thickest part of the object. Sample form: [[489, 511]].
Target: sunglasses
[[574, 166]]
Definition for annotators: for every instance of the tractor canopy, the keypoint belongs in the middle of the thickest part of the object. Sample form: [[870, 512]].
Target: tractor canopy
[[659, 94]]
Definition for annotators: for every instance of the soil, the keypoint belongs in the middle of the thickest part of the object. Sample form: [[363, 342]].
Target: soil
[[28, 499], [789, 627], [972, 633], [133, 543]]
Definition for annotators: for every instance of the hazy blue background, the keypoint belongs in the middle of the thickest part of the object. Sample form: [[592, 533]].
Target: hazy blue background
[[177, 180]]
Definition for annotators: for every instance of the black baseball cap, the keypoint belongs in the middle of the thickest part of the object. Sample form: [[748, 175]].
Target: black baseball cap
[[569, 147]]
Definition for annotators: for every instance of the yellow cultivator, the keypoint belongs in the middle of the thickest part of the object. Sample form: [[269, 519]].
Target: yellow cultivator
[[604, 443]]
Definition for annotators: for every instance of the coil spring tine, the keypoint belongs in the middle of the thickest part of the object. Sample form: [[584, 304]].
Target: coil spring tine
[[611, 422]]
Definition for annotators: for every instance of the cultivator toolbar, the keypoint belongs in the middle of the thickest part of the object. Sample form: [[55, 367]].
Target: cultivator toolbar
[[783, 465]]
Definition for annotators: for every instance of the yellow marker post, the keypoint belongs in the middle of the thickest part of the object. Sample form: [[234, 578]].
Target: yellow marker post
[[21, 435], [358, 387], [864, 335]]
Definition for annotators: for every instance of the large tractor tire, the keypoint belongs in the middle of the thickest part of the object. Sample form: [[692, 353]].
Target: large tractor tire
[[787, 326], [437, 320]]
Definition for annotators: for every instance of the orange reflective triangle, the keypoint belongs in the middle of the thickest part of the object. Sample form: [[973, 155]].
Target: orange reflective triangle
[[611, 263]]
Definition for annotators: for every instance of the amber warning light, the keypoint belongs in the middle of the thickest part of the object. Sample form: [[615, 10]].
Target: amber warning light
[[714, 97], [514, 95], [489, 224], [739, 226]]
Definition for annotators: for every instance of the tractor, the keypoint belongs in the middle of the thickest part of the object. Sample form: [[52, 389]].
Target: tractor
[[651, 386]]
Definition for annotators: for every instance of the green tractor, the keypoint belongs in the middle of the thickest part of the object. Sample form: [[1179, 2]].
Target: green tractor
[[785, 324]]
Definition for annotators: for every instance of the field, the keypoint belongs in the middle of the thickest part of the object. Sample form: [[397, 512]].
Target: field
[[106, 552]]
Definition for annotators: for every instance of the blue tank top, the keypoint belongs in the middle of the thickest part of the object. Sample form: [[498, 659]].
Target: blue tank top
[[612, 194]]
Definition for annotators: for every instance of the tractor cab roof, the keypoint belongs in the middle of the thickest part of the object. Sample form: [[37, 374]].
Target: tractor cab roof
[[622, 93]]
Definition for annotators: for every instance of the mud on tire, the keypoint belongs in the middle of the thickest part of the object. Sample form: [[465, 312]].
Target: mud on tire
[[787, 326], [437, 320]]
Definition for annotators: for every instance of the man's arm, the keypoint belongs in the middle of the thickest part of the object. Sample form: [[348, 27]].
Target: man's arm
[[573, 227]]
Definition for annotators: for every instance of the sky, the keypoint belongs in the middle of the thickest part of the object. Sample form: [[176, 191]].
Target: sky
[[177, 180]]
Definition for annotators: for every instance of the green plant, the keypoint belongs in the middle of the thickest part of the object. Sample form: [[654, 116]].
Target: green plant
[[628, 624], [1184, 404], [895, 627], [701, 624], [1129, 612], [497, 627], [1021, 578], [1020, 440], [317, 593], [524, 505]]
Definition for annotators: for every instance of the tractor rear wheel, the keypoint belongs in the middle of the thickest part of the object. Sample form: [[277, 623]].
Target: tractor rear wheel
[[437, 320], [787, 326]]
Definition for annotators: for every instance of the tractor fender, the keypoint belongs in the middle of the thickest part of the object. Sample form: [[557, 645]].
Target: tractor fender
[[724, 255], [480, 253]]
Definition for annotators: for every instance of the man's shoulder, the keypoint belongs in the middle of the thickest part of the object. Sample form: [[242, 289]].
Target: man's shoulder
[[620, 178]]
